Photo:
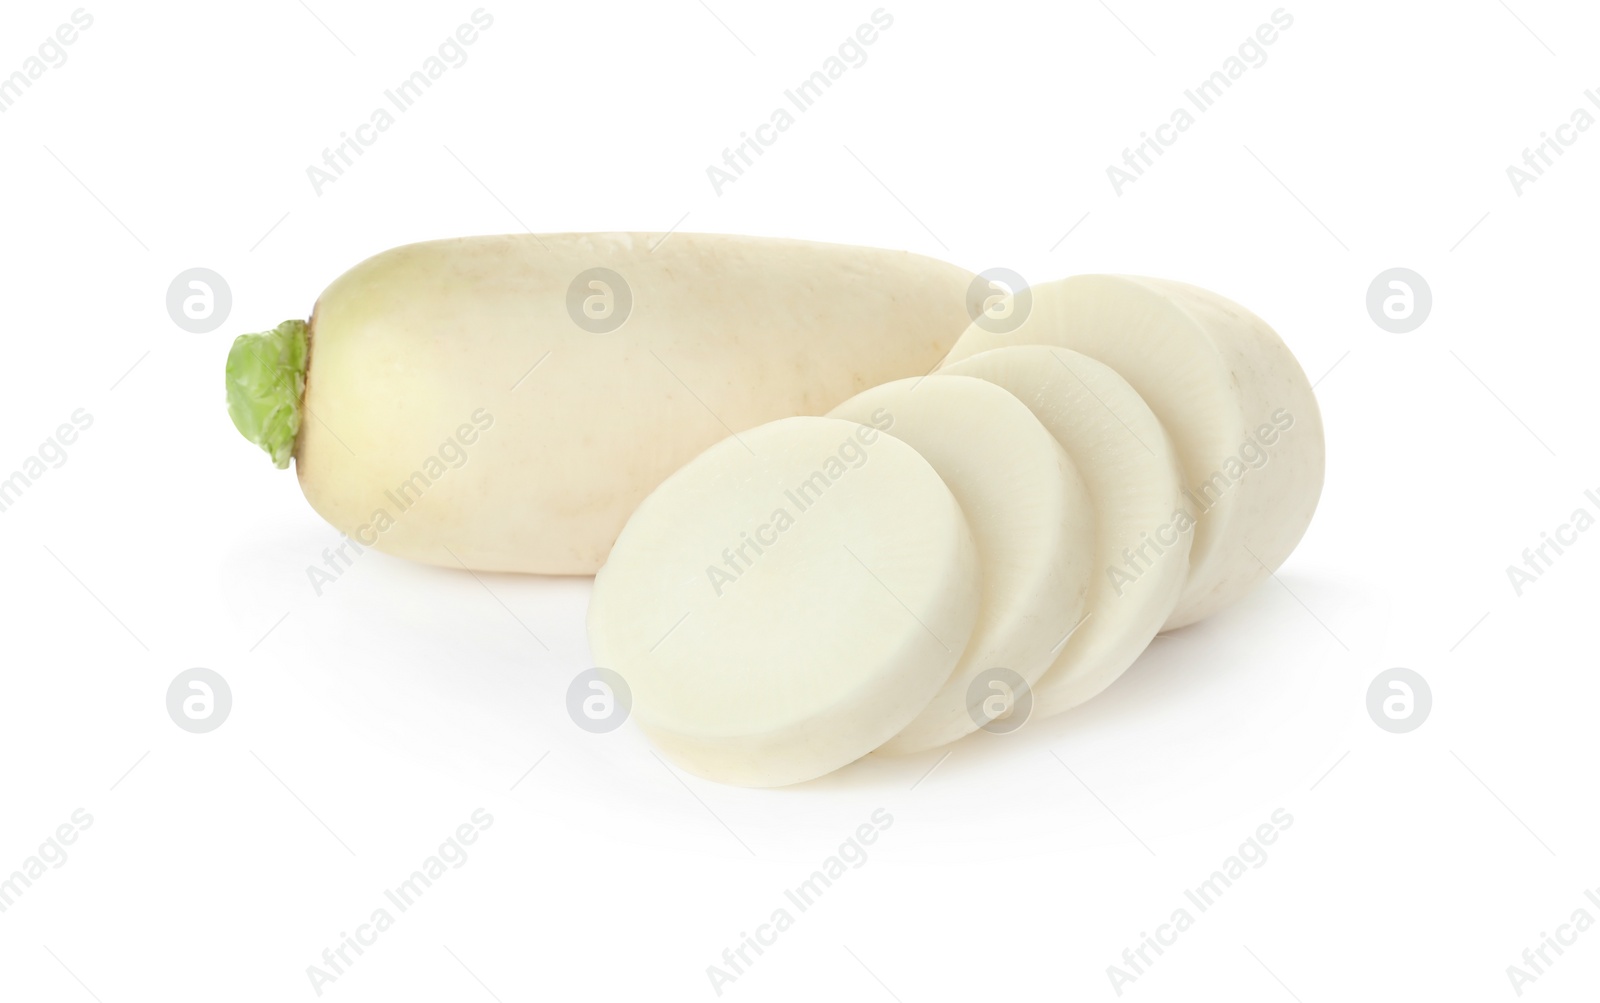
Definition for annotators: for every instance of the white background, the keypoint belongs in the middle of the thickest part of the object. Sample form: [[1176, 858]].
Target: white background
[[370, 721]]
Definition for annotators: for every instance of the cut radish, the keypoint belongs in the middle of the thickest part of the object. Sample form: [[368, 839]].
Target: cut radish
[[788, 601], [1031, 519], [1237, 405], [1121, 451]]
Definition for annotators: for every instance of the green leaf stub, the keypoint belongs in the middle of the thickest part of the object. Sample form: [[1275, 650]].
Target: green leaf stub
[[266, 380]]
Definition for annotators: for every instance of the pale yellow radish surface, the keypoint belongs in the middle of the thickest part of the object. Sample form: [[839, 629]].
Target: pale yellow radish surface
[[1032, 522], [1238, 407], [788, 601], [1123, 454], [455, 410]]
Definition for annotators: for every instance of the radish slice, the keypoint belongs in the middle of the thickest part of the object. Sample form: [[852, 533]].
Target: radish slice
[[1237, 405], [1031, 519], [788, 601], [1128, 465]]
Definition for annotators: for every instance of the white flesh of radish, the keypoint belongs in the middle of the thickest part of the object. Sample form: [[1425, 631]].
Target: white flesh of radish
[[1031, 519], [1128, 465], [1238, 407], [772, 663]]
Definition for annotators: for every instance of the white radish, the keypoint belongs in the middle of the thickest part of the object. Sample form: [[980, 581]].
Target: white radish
[[1032, 522], [788, 601], [1129, 467], [505, 402], [1238, 407]]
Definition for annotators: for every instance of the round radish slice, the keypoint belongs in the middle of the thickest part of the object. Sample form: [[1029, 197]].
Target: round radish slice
[[1237, 405], [787, 601], [1031, 519], [1141, 557]]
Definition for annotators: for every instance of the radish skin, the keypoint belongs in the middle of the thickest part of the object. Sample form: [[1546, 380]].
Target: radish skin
[[422, 348]]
